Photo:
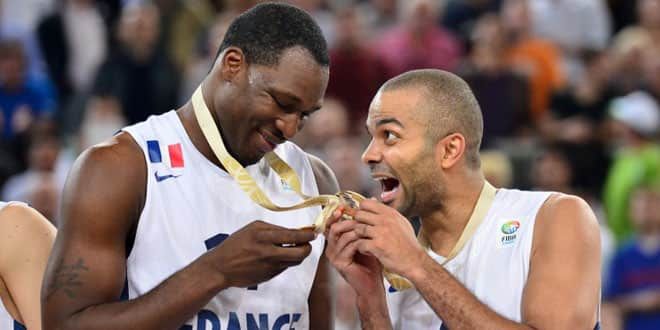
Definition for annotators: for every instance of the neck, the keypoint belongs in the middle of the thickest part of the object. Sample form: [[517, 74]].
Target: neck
[[443, 227], [187, 116]]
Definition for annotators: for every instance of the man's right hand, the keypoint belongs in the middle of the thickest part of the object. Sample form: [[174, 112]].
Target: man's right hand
[[258, 252], [362, 272]]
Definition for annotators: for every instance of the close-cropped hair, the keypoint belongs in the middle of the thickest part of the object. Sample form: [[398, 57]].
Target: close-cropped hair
[[266, 30]]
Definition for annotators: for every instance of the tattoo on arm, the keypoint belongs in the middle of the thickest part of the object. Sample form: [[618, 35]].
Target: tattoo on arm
[[67, 279]]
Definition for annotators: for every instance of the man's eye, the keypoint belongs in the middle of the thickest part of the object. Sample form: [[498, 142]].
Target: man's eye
[[390, 137], [277, 102]]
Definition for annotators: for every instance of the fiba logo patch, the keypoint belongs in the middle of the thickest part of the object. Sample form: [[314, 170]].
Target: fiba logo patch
[[509, 232]]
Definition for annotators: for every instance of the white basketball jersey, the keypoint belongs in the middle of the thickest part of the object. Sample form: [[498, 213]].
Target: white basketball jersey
[[493, 265], [192, 205], [6, 320]]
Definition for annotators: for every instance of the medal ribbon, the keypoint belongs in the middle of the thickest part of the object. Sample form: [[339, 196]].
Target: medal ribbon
[[289, 176]]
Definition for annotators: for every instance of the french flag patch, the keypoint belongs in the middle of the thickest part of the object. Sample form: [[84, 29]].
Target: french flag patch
[[168, 161], [174, 154]]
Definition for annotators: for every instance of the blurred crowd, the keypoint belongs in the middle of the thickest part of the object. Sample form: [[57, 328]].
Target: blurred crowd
[[569, 89]]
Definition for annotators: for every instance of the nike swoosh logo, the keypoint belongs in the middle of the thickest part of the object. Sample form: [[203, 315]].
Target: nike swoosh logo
[[160, 178]]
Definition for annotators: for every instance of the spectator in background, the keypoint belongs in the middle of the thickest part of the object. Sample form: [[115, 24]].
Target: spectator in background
[[324, 126], [460, 16], [632, 46], [576, 115], [38, 185], [632, 289], [74, 43], [103, 119], [417, 42], [380, 16], [356, 72], [139, 74], [202, 60], [636, 119], [574, 26], [497, 168], [535, 58], [552, 171], [502, 93], [18, 20], [647, 27], [652, 75], [189, 20], [21, 99], [623, 13], [343, 156]]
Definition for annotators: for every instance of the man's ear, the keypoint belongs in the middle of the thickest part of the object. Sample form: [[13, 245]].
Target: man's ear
[[450, 150], [231, 62]]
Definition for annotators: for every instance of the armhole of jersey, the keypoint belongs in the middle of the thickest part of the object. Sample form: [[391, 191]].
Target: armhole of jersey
[[132, 234], [307, 162]]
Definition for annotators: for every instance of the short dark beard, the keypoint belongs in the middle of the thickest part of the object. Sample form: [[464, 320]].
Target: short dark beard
[[425, 185]]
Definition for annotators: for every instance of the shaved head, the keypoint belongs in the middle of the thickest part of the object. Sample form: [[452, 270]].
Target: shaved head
[[447, 106]]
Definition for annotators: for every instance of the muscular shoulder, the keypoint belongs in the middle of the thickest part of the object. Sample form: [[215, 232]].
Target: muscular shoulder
[[119, 150], [110, 176], [325, 177], [20, 225], [566, 219]]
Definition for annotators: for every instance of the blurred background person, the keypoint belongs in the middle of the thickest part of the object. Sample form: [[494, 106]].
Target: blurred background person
[[379, 15], [74, 42], [502, 93], [633, 285], [357, 71], [460, 16], [330, 122], [138, 72], [203, 56], [103, 118], [497, 168], [417, 41], [635, 123], [574, 26], [21, 99], [41, 183], [536, 58]]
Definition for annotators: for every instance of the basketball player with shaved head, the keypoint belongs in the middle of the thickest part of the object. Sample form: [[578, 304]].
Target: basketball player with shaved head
[[484, 258], [156, 233]]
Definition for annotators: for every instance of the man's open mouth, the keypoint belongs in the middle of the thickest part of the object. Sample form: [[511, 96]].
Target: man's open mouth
[[390, 186]]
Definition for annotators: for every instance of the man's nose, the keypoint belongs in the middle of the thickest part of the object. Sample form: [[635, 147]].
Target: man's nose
[[371, 154], [288, 124]]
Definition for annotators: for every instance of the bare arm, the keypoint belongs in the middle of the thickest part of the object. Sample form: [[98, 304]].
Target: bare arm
[[102, 201], [562, 289], [320, 299], [86, 272], [25, 244]]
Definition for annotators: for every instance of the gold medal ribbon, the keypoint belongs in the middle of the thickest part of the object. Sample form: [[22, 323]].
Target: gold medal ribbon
[[289, 176]]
